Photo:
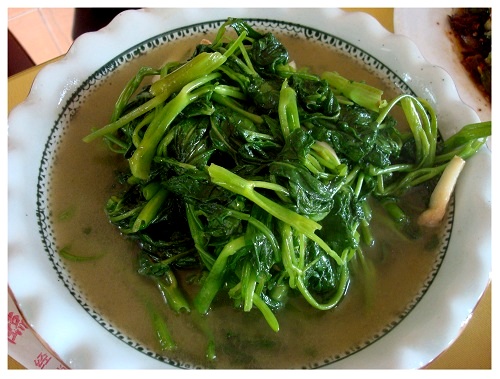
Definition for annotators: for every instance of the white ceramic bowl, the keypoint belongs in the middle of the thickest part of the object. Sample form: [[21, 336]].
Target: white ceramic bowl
[[75, 333]]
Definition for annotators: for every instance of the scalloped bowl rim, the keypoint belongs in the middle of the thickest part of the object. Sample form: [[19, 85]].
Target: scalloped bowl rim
[[52, 311]]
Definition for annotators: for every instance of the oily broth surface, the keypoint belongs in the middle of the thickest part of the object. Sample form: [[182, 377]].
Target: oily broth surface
[[82, 181]]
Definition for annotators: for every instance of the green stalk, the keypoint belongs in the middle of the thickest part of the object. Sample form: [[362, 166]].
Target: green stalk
[[302, 224], [171, 292], [201, 65], [129, 90], [140, 162], [258, 225], [125, 119], [287, 255], [230, 103], [248, 284], [214, 280], [287, 109], [241, 186], [466, 134], [267, 313], [198, 236], [150, 190], [162, 332], [360, 93], [421, 142], [465, 151], [335, 299], [150, 210]]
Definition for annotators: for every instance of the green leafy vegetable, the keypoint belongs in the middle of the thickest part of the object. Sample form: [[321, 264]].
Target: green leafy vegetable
[[260, 175]]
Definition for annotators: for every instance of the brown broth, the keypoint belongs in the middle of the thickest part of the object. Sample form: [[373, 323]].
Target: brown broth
[[82, 181]]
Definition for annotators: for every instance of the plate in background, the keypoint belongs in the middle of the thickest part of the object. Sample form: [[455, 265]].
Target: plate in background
[[430, 30]]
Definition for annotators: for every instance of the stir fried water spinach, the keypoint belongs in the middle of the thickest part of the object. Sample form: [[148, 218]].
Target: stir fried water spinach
[[260, 173]]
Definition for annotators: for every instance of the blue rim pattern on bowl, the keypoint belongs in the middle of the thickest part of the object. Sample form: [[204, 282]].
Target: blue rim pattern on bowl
[[98, 77]]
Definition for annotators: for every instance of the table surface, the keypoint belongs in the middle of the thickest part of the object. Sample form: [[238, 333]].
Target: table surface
[[471, 350]]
